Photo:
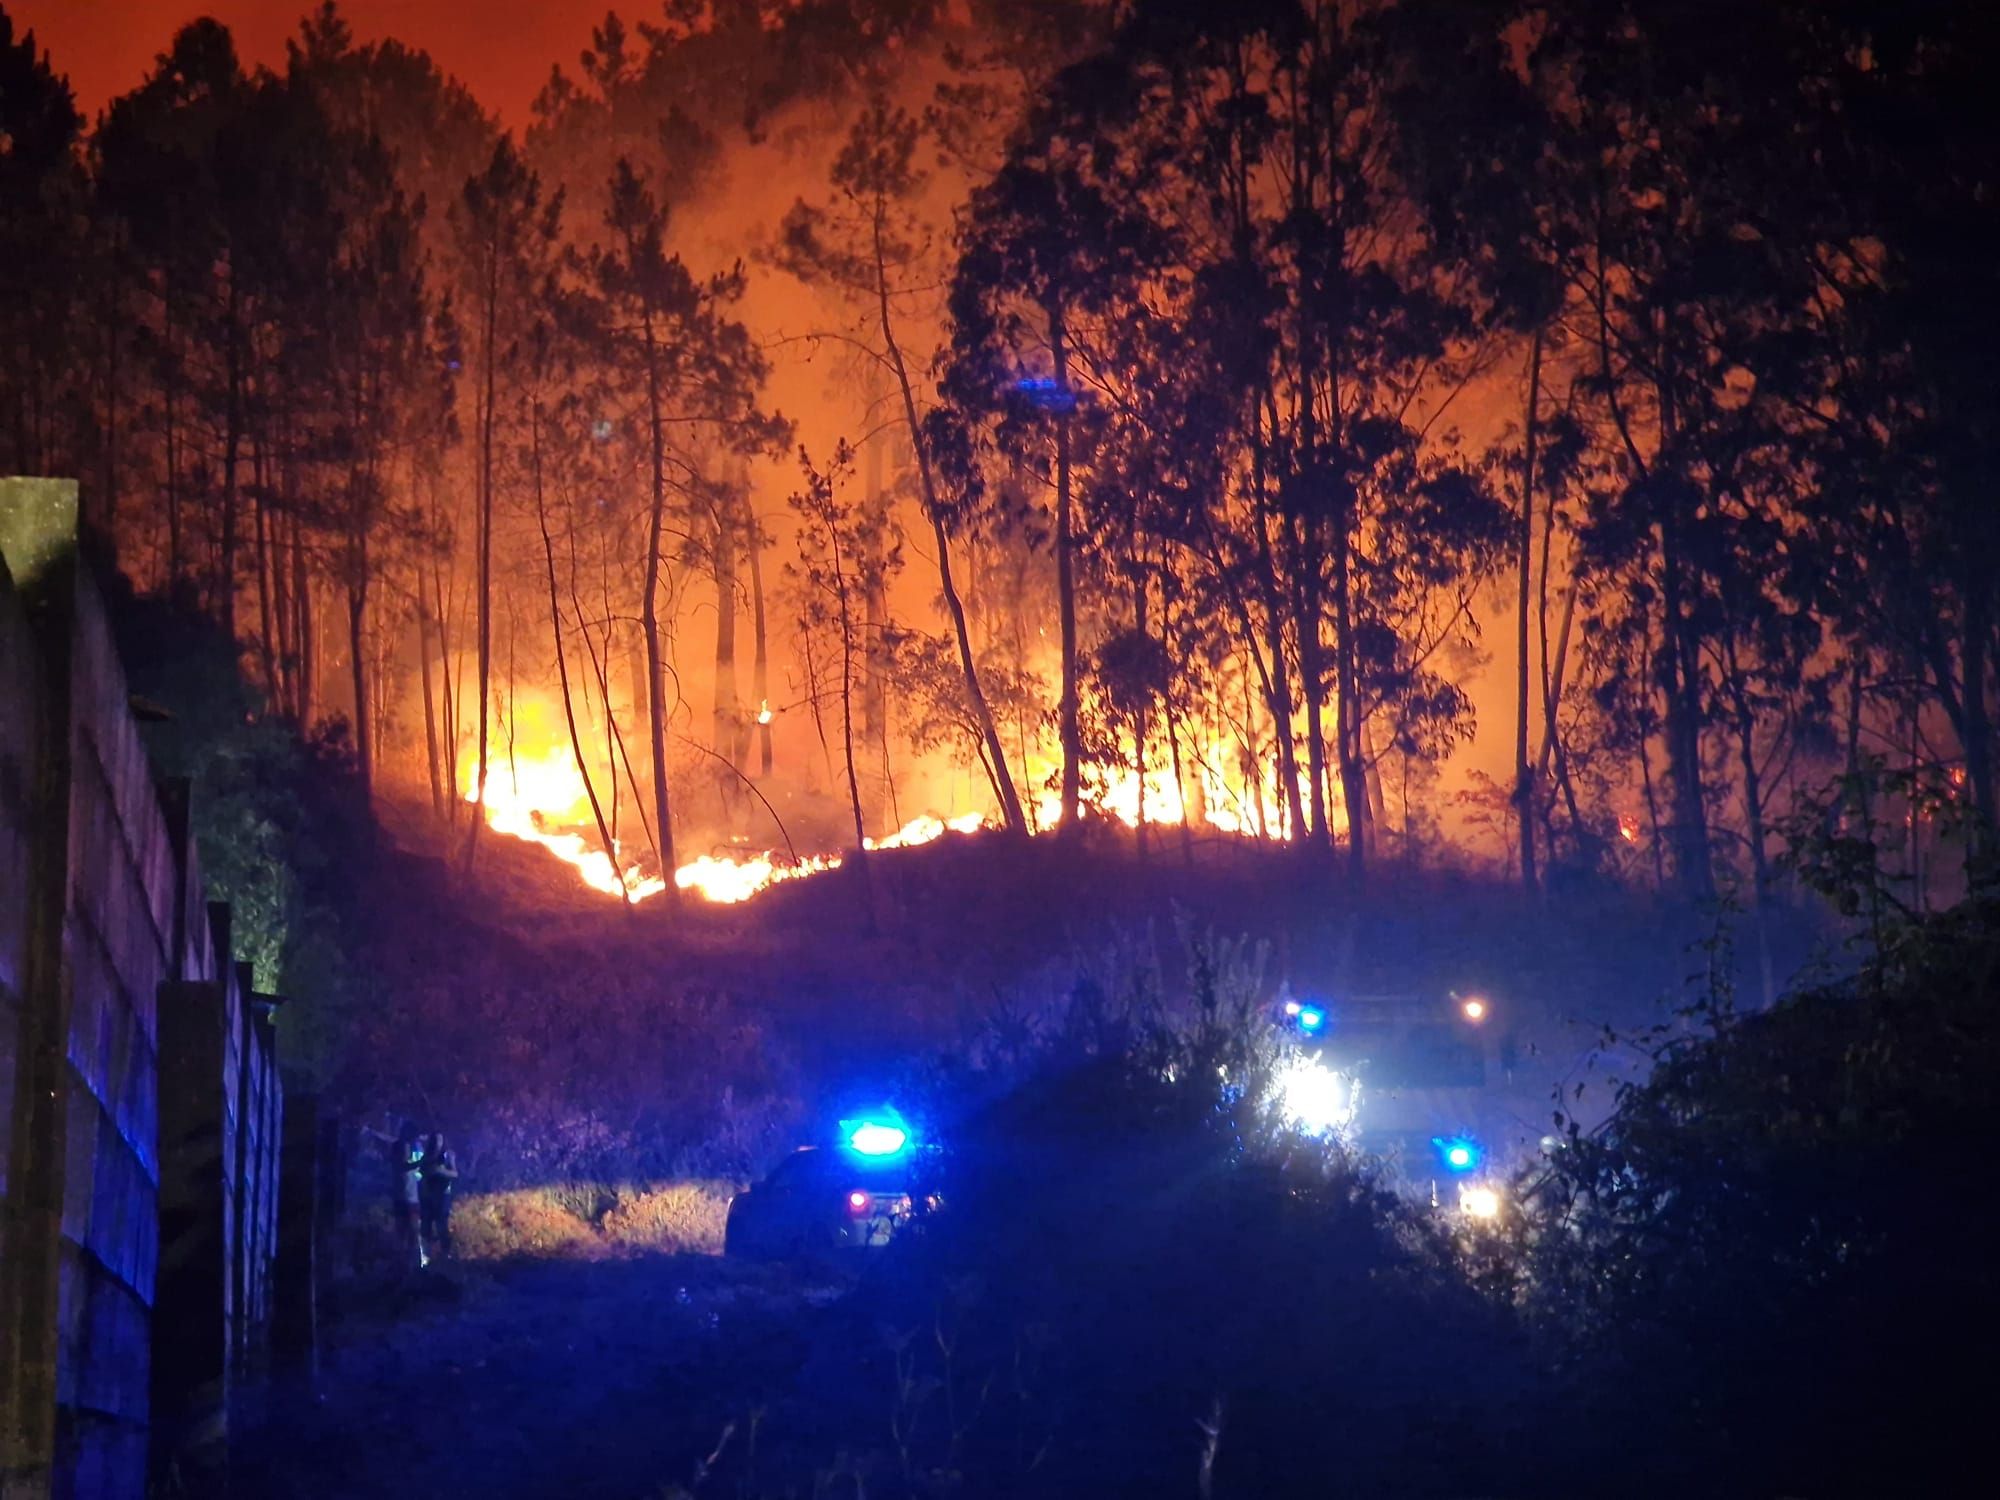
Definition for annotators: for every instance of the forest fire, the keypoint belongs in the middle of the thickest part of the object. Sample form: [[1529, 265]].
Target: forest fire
[[1029, 530], [722, 879], [540, 799]]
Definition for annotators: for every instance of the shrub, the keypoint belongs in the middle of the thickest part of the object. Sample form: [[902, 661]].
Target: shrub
[[590, 1220], [670, 1218], [519, 1222], [1751, 1269], [1145, 1287]]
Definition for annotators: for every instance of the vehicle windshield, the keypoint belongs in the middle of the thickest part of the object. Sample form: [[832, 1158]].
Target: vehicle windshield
[[1426, 1055]]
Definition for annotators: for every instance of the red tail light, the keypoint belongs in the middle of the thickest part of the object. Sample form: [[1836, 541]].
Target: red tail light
[[858, 1202]]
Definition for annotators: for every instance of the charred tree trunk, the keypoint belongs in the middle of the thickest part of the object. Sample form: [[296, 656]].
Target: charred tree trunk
[[1010, 802], [1277, 682], [447, 695], [1646, 777], [170, 434], [1976, 734], [232, 442], [874, 620], [1680, 682], [1068, 727], [562, 661], [267, 652], [1140, 714], [484, 539], [430, 701], [1353, 766], [307, 641], [1553, 677], [760, 668], [1524, 779], [727, 712], [1752, 789], [1312, 683], [284, 619], [656, 666], [847, 725], [357, 634], [1191, 807]]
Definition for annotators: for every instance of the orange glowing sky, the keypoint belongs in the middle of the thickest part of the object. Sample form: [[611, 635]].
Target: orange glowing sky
[[501, 49]]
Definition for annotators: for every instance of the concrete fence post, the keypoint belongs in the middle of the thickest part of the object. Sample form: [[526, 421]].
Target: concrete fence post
[[295, 1293], [191, 1313], [37, 539]]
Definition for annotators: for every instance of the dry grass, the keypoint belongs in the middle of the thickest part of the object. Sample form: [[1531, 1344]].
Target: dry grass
[[671, 1217], [668, 1218]]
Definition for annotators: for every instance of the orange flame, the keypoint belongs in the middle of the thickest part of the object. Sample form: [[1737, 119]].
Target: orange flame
[[540, 798]]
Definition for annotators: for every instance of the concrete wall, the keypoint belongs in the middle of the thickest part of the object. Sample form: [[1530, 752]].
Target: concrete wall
[[118, 952], [100, 908], [19, 696]]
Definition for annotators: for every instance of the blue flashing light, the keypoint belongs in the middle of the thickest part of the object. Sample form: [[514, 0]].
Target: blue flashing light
[[873, 1138], [880, 1135], [1312, 1018], [1459, 1153], [1043, 390]]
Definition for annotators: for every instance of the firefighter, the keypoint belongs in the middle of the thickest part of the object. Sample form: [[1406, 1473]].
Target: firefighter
[[440, 1171]]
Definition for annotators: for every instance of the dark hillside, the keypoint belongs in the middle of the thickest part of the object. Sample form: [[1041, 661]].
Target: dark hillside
[[683, 1043]]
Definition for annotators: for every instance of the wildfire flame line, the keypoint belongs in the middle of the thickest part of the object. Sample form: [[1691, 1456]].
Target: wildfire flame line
[[540, 799]]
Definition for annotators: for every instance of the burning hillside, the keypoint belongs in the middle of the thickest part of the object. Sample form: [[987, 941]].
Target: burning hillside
[[540, 797], [920, 431]]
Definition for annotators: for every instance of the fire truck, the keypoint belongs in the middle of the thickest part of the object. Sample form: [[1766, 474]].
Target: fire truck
[[1431, 1078]]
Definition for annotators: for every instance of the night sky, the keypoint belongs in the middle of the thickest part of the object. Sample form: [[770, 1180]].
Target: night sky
[[502, 49]]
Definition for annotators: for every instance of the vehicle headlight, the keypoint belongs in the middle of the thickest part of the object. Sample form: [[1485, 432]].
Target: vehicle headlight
[[1479, 1202], [1315, 1099]]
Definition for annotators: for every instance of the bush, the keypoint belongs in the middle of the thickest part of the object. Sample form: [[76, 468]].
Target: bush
[[279, 820], [1751, 1271], [569, 1065], [517, 1223], [590, 1220], [1145, 1287], [670, 1217]]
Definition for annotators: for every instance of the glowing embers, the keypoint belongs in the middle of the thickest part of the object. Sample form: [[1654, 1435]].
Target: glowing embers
[[1315, 1099]]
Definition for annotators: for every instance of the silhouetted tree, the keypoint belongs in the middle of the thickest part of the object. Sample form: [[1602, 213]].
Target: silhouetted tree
[[671, 344], [870, 244]]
